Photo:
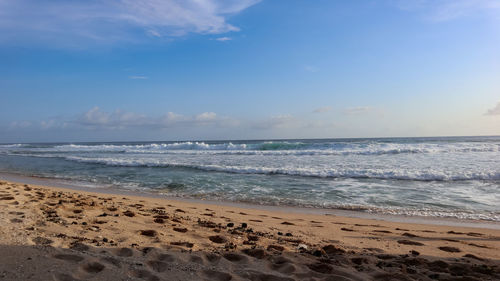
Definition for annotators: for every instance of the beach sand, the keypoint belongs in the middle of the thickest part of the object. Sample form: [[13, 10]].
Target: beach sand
[[49, 233]]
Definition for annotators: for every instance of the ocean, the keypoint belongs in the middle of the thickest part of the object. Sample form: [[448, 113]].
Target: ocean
[[455, 177]]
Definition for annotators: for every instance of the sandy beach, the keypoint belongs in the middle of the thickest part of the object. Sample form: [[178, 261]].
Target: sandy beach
[[49, 233], [216, 140]]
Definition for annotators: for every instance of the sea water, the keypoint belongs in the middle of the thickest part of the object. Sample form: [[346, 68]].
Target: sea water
[[440, 177]]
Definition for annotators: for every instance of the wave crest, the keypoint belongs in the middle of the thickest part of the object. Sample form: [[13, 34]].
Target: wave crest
[[265, 148], [420, 175]]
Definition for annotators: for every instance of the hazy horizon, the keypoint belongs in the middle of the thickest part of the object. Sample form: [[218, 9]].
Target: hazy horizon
[[251, 140]]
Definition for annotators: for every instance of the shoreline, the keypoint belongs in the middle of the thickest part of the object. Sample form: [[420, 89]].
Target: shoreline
[[61, 234], [66, 184]]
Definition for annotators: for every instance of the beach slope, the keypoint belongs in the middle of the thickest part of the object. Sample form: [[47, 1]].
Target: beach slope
[[49, 233]]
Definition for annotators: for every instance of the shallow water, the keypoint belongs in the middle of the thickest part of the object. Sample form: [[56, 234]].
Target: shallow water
[[441, 177]]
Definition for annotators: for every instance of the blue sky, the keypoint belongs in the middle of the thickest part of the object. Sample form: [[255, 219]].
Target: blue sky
[[173, 70]]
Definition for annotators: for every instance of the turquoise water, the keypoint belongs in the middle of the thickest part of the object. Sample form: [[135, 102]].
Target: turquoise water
[[441, 177]]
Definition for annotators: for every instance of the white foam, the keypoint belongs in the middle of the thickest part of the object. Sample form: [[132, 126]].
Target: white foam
[[11, 145], [394, 174], [463, 176], [275, 148]]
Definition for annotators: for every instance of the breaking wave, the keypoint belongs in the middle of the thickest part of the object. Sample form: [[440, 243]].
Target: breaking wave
[[264, 148], [401, 174]]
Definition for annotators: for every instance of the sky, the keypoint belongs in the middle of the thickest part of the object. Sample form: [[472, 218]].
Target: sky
[[149, 70]]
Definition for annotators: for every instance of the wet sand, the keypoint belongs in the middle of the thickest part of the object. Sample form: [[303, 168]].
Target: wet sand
[[49, 233]]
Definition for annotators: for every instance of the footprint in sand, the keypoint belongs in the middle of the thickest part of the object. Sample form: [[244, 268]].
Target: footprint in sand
[[332, 250], [455, 232], [478, 246], [124, 252], [449, 249], [147, 250], [149, 233], [216, 275], [167, 258], [182, 243], [218, 239], [282, 264], [144, 274], [320, 267], [336, 277], [275, 248], [410, 242], [471, 256], [64, 277], [381, 231], [255, 275], [112, 261], [159, 220], [256, 253], [68, 257], [157, 266], [42, 241], [438, 265], [346, 229], [196, 259], [93, 267], [213, 258], [180, 229], [129, 213], [407, 234], [79, 247]]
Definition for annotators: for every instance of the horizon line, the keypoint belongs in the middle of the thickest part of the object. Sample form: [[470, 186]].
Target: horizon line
[[260, 139]]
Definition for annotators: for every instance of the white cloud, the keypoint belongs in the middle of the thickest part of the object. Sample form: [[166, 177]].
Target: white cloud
[[154, 33], [365, 111], [111, 21], [357, 110], [494, 111], [206, 116], [445, 10], [172, 117], [125, 121], [96, 118], [48, 124], [21, 124], [322, 109], [222, 39]]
